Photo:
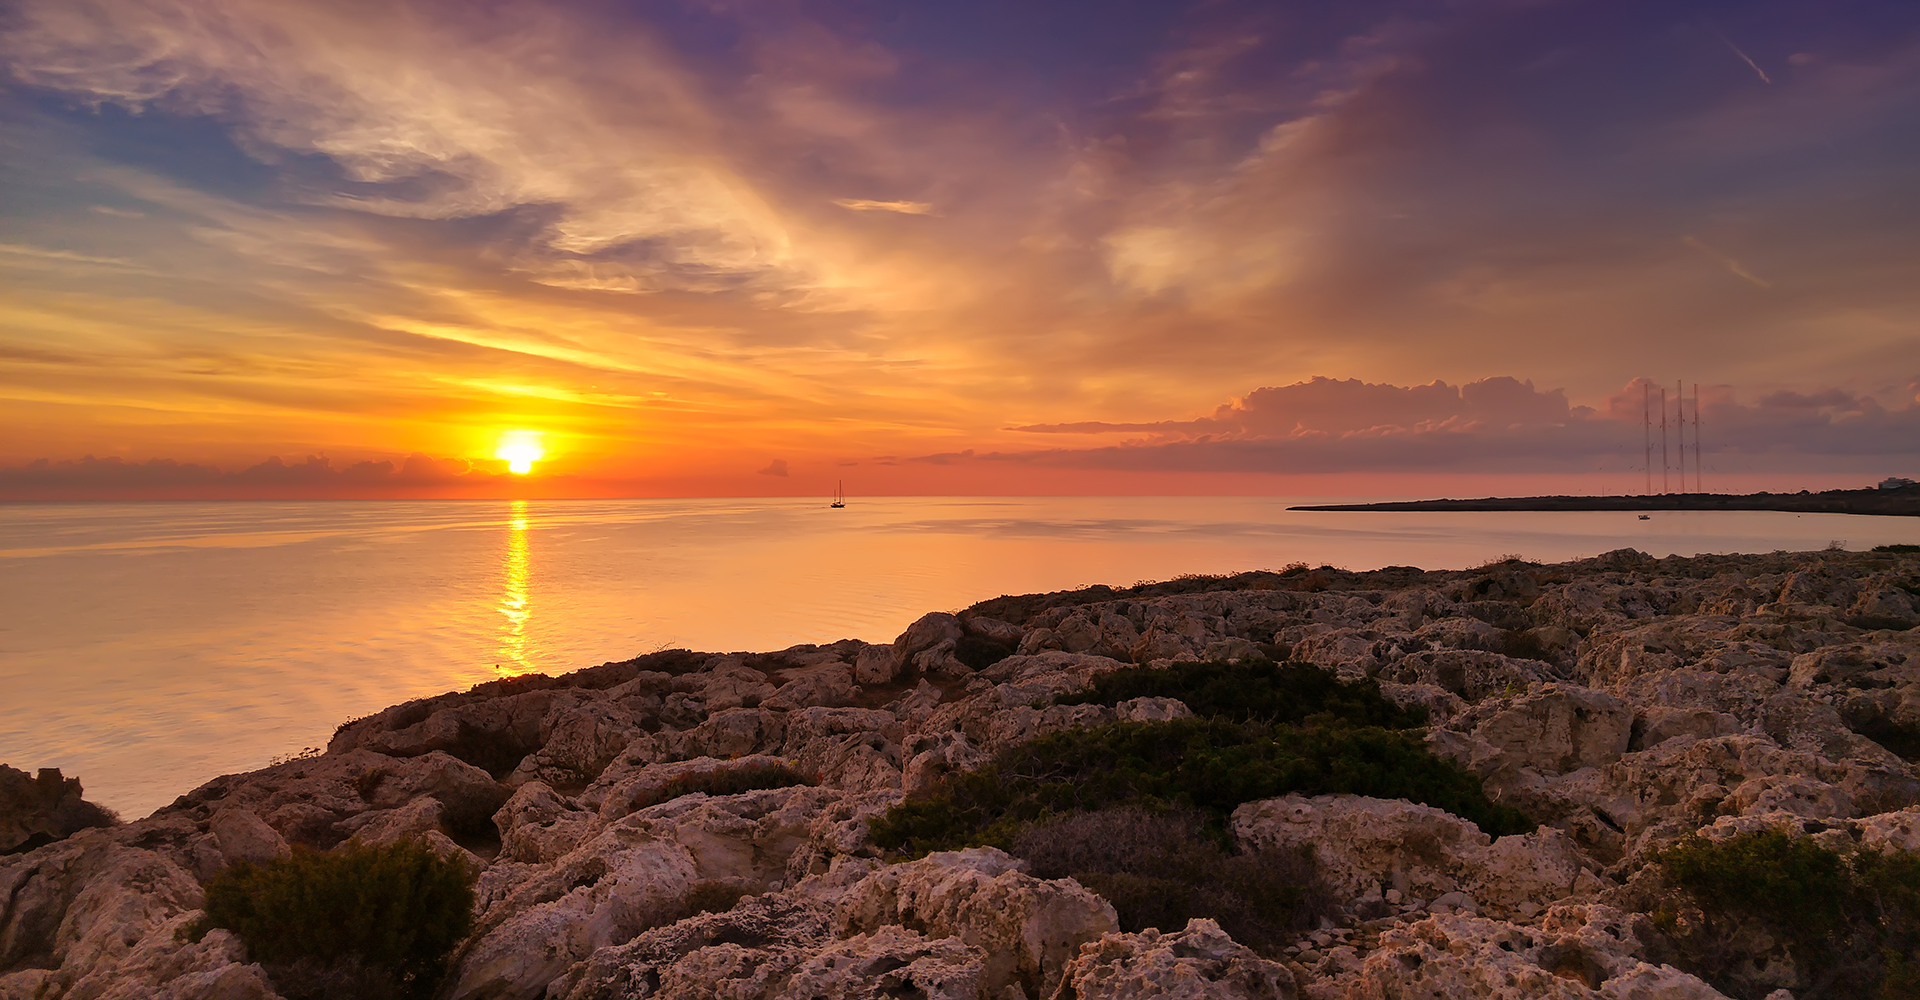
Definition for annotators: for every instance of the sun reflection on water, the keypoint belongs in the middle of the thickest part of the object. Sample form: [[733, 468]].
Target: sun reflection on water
[[514, 596]]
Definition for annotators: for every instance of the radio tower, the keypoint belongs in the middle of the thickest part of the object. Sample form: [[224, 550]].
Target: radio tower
[[1699, 484], [1646, 423], [1680, 427], [1666, 466]]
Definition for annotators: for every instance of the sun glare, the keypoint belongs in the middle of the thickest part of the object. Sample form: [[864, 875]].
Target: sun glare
[[520, 449]]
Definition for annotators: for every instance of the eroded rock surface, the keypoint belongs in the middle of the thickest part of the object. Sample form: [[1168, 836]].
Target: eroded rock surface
[[1623, 702]]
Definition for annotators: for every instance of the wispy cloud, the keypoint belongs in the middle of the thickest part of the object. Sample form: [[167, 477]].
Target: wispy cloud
[[1743, 56], [295, 227], [1733, 267], [900, 207]]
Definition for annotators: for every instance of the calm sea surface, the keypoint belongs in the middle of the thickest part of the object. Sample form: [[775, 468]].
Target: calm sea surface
[[147, 647]]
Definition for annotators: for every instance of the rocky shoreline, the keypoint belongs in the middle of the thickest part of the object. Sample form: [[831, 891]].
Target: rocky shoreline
[[1623, 703]]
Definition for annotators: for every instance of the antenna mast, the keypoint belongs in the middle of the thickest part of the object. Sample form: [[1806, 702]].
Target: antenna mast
[[1646, 422], [1699, 484], [1666, 465], [1680, 427]]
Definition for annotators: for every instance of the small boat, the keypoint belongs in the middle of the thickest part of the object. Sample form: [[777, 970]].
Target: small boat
[[839, 495], [1646, 517]]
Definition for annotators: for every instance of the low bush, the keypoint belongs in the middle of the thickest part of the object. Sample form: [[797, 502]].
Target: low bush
[[1207, 764], [1161, 870], [354, 916], [1899, 548], [1849, 921], [727, 781], [1254, 690]]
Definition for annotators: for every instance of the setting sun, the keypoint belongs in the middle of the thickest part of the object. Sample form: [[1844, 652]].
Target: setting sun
[[520, 449]]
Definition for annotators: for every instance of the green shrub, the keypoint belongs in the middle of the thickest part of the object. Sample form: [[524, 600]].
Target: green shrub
[[1254, 690], [1208, 764], [399, 909], [1161, 870], [726, 781], [1793, 881], [1850, 921]]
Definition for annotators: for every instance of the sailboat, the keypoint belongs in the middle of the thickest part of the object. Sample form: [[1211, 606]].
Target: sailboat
[[839, 495]]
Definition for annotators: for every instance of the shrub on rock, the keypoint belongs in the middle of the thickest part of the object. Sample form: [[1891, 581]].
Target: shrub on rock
[[1254, 690], [1163, 869], [355, 916], [1849, 921], [1210, 765]]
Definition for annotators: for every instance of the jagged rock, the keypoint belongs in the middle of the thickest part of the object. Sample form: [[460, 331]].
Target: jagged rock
[[1896, 830], [931, 630], [648, 786], [1553, 728], [1576, 953], [1367, 845], [936, 755], [1346, 651], [538, 826], [577, 743], [1471, 674], [634, 875], [94, 912], [1028, 929], [241, 835], [1151, 710], [992, 628], [43, 808], [1657, 698], [1199, 962], [732, 684], [1657, 724]]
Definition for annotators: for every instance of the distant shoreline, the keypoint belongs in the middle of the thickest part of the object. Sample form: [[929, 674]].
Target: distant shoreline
[[1903, 502]]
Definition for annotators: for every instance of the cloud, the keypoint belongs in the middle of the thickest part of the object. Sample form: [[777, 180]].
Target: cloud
[[314, 476], [1733, 267], [1493, 425], [777, 467], [356, 227], [901, 207], [429, 117]]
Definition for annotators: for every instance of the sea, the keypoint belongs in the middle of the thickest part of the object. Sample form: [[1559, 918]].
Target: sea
[[149, 647]]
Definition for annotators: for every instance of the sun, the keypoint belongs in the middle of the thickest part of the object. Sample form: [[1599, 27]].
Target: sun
[[520, 449]]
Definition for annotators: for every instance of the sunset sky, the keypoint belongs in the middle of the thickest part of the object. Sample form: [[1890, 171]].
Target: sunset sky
[[747, 247]]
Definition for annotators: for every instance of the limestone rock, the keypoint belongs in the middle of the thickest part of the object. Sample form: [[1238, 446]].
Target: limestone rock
[[937, 755], [538, 826], [1199, 962], [825, 686], [1576, 953], [43, 808], [243, 836], [1364, 844], [1029, 929], [1553, 728]]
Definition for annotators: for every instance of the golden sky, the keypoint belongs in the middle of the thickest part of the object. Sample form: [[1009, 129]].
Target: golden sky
[[724, 248]]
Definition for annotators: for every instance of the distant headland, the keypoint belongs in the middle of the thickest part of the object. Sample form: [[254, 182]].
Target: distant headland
[[1902, 501]]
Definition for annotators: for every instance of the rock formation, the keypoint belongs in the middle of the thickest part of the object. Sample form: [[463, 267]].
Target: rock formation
[[41, 808], [1623, 702]]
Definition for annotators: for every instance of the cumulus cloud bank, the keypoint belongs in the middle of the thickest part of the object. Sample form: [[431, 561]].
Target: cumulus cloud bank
[[1497, 424], [315, 476]]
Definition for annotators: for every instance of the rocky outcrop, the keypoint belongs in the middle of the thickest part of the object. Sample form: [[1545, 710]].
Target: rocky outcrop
[[628, 847], [1573, 953], [42, 808], [1368, 847], [1199, 962]]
